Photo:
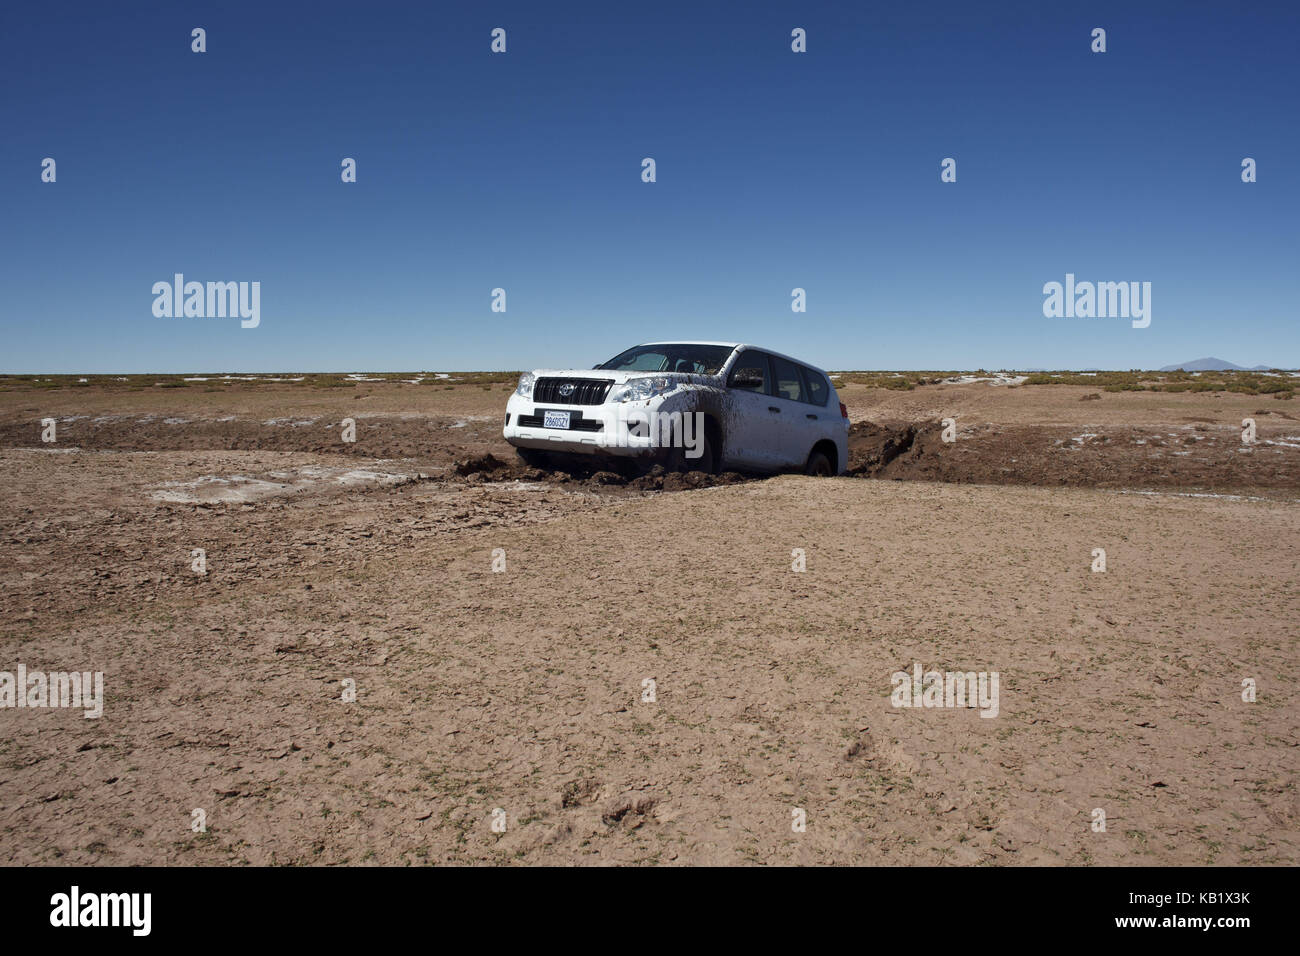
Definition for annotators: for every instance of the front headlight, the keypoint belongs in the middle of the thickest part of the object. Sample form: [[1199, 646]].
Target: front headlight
[[525, 386], [641, 389]]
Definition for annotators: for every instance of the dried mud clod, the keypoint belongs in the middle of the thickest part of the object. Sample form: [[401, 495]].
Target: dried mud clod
[[863, 747], [577, 793], [478, 465], [630, 809]]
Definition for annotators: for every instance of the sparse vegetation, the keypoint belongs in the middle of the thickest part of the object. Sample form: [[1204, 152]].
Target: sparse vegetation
[[243, 380], [1276, 382]]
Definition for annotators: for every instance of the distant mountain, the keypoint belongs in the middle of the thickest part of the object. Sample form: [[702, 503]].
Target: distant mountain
[[1213, 365]]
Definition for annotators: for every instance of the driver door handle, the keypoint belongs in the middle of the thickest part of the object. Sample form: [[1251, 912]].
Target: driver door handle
[[773, 408]]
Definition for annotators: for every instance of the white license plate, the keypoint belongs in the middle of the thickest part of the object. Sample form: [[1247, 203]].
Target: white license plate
[[555, 419]]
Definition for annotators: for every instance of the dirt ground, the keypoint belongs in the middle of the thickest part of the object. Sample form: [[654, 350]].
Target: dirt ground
[[524, 690]]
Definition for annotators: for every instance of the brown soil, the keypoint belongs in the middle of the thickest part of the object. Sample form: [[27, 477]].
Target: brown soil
[[523, 690]]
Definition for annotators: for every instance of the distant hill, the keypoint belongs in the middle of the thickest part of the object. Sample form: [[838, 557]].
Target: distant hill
[[1213, 365]]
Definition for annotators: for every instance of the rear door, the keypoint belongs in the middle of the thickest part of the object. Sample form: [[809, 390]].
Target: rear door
[[798, 425], [751, 438], [821, 410]]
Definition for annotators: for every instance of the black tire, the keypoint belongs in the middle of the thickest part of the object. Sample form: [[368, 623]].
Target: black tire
[[675, 458], [819, 465], [706, 463], [533, 457]]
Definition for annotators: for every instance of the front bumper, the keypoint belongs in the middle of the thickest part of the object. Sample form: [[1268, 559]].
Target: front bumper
[[594, 429]]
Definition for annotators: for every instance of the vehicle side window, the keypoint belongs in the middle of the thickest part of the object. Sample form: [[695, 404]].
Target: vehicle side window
[[750, 365], [818, 390], [787, 381]]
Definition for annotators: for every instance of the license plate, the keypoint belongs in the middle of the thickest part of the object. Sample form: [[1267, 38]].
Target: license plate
[[555, 419]]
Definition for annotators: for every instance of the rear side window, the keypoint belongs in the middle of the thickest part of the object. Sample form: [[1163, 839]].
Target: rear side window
[[818, 389], [787, 380], [750, 364]]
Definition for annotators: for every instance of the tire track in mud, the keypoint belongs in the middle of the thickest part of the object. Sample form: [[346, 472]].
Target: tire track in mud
[[1196, 456]]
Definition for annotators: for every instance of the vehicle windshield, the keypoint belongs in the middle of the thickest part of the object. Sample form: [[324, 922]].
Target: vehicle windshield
[[693, 359]]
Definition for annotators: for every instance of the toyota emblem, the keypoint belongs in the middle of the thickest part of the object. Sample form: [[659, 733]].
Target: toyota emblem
[[566, 389]]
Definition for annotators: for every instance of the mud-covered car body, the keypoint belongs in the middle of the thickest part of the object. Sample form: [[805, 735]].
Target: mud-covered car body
[[759, 410]]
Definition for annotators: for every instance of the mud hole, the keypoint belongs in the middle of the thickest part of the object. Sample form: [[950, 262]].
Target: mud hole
[[1197, 454]]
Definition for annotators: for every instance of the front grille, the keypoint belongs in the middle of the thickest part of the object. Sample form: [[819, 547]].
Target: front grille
[[586, 391], [576, 423]]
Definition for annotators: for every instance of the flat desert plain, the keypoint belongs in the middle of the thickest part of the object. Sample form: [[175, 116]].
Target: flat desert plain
[[522, 697]]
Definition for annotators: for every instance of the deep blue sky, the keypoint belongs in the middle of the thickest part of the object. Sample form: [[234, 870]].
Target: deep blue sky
[[522, 170]]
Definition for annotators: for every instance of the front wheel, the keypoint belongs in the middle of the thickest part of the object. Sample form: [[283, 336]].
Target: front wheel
[[678, 460], [819, 465], [533, 457]]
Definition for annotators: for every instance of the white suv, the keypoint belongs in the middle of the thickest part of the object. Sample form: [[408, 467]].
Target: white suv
[[706, 406]]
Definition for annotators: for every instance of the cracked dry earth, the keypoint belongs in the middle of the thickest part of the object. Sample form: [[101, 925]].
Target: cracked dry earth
[[523, 690]]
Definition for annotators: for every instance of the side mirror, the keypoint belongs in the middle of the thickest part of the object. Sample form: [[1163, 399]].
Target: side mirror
[[747, 378]]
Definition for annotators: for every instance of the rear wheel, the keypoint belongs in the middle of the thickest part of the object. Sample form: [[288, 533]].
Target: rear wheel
[[819, 465]]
